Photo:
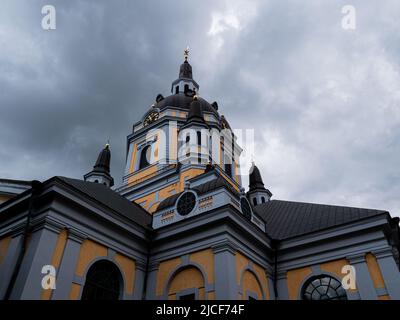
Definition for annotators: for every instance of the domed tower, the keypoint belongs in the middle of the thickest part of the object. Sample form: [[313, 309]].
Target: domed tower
[[257, 193], [101, 170], [174, 141]]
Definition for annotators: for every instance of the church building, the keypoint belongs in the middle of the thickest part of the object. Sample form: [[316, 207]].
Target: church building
[[182, 226]]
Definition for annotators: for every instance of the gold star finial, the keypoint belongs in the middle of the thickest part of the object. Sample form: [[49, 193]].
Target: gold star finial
[[186, 53], [108, 143]]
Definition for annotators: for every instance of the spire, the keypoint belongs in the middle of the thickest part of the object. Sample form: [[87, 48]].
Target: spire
[[257, 193], [185, 82], [101, 169], [255, 179], [103, 160], [185, 71]]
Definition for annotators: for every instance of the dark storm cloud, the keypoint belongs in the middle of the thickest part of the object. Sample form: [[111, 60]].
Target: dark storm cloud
[[324, 102]]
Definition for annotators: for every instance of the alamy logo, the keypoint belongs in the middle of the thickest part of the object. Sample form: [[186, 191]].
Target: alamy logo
[[49, 20], [49, 280], [349, 19], [349, 280]]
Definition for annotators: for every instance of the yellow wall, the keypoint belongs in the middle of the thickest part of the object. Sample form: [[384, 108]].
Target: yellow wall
[[164, 269], [150, 172], [173, 150], [251, 284], [167, 190], [4, 198], [205, 258], [248, 279], [4, 243], [376, 274], [187, 277], [374, 271], [294, 279], [89, 251], [182, 114], [127, 266]]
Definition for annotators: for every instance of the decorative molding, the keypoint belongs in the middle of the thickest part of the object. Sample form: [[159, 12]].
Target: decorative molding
[[383, 253], [154, 265], [141, 265], [281, 274], [76, 235], [356, 258], [225, 245]]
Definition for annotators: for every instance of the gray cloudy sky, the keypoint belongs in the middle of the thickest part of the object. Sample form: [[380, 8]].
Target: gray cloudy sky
[[324, 101]]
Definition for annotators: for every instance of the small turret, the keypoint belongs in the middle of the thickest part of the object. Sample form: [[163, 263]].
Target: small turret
[[257, 193], [101, 169]]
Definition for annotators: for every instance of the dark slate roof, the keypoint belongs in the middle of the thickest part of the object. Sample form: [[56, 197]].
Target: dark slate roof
[[201, 189], [195, 112], [185, 71], [103, 161], [255, 179], [111, 199], [286, 219], [180, 100]]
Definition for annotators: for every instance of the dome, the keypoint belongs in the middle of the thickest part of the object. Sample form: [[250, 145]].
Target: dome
[[183, 101]]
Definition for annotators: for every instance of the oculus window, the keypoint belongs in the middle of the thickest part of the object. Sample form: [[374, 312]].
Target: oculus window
[[186, 203]]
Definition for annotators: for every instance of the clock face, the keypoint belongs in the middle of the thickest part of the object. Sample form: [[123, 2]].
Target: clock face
[[151, 117]]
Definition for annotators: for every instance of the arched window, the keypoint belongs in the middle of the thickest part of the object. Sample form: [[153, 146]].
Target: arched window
[[186, 88], [323, 287], [145, 157], [262, 200], [103, 282], [177, 89], [187, 284], [255, 201]]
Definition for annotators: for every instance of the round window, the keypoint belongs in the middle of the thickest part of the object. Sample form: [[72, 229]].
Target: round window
[[186, 203], [246, 209]]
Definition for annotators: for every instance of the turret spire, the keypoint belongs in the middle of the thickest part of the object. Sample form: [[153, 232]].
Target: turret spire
[[257, 193], [101, 169], [185, 83]]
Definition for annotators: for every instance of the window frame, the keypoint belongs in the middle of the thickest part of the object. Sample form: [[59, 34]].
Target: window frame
[[186, 292], [308, 282]]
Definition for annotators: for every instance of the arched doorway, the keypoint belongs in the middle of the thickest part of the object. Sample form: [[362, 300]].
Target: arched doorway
[[103, 282]]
